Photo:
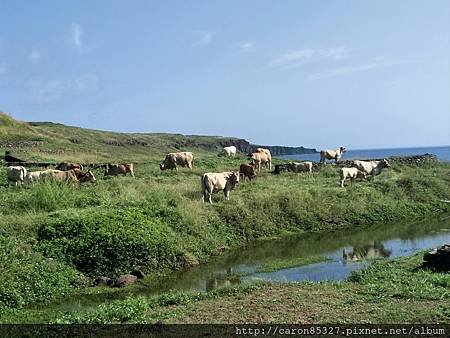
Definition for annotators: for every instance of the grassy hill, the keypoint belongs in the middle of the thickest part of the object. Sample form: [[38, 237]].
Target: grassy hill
[[47, 141]]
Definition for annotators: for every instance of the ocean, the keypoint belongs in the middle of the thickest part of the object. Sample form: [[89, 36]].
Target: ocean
[[443, 153]]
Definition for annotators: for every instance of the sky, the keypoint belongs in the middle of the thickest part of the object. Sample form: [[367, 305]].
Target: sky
[[361, 74]]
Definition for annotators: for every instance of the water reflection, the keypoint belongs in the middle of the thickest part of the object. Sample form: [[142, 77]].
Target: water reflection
[[216, 281], [369, 251]]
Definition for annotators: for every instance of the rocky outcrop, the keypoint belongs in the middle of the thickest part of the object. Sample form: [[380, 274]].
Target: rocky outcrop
[[438, 259], [413, 160], [246, 147]]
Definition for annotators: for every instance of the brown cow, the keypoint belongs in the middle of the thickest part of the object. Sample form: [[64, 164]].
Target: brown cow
[[247, 170], [118, 169], [64, 166]]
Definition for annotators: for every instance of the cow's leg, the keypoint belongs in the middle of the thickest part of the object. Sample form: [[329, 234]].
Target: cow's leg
[[210, 198], [227, 195], [342, 182]]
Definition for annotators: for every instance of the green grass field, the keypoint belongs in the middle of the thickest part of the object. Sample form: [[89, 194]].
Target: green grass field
[[59, 238]]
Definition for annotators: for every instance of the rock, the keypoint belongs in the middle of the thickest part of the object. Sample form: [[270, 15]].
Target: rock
[[187, 260], [138, 273], [125, 280], [438, 259], [102, 281]]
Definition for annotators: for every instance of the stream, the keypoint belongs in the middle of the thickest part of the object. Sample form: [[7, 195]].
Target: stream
[[340, 253]]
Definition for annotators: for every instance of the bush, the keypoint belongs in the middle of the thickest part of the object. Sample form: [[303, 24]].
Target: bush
[[109, 242], [29, 277]]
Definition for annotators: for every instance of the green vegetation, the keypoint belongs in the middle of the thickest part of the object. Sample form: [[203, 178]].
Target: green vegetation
[[275, 265], [59, 236], [385, 292]]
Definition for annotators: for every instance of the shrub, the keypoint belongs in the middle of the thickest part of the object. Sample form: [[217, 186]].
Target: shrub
[[104, 241], [29, 277]]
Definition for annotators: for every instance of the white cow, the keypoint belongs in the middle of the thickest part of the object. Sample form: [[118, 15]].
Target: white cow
[[228, 151], [302, 166], [352, 173], [215, 182], [332, 154], [16, 175], [372, 168]]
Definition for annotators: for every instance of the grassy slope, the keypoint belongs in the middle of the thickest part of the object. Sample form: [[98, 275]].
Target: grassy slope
[[54, 143]]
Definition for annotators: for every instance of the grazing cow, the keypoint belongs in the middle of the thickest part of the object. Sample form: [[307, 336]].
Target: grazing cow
[[247, 170], [118, 169], [16, 175], [33, 177], [64, 166], [372, 168], [85, 176], [52, 175], [294, 167], [228, 151], [352, 173], [215, 182], [332, 154], [260, 158], [302, 167], [269, 155], [172, 160]]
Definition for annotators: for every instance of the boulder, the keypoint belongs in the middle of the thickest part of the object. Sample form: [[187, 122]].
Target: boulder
[[138, 273], [438, 259], [102, 281], [125, 280]]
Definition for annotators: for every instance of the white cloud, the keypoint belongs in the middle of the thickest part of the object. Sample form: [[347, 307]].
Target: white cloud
[[36, 55], [246, 46], [203, 37], [44, 91], [308, 55], [378, 62], [76, 35]]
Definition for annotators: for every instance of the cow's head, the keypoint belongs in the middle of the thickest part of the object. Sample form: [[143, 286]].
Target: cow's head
[[343, 149], [89, 177], [234, 177], [86, 176], [385, 163], [161, 166]]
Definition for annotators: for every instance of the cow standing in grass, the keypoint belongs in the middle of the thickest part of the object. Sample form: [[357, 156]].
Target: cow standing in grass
[[372, 168], [64, 166], [247, 170], [16, 175], [119, 169], [173, 160], [335, 155], [260, 158], [215, 182], [352, 173], [228, 151]]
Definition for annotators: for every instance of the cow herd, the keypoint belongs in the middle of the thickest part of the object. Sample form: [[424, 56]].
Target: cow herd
[[210, 182]]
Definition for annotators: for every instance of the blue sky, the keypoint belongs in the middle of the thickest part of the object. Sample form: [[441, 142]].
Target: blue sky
[[363, 74]]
